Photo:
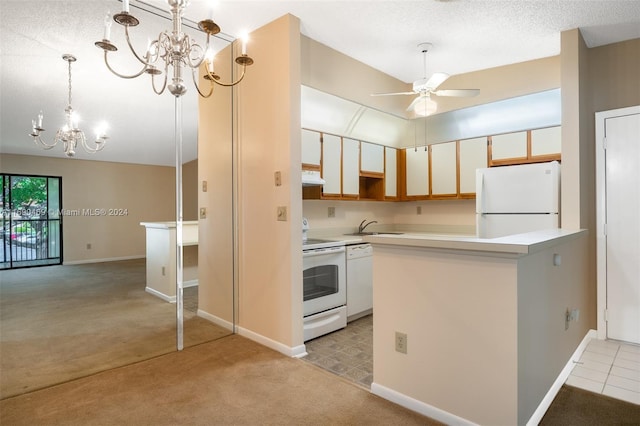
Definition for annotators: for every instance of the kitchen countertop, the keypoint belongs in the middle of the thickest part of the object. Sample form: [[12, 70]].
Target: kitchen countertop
[[518, 245]]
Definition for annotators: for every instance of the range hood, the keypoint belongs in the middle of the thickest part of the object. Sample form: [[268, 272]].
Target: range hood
[[311, 178]]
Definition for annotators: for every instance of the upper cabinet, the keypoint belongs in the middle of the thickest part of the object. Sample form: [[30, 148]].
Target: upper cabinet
[[531, 146], [390, 173], [331, 165], [444, 172], [416, 172], [509, 147], [546, 141], [350, 168], [311, 150], [371, 158], [473, 155]]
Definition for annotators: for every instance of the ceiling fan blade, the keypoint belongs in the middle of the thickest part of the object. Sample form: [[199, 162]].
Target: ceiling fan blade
[[466, 93], [393, 94], [436, 80]]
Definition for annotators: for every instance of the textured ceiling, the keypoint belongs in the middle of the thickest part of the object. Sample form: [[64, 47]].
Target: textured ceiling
[[467, 35]]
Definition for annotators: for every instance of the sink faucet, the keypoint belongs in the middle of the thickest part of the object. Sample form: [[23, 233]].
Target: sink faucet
[[363, 225]]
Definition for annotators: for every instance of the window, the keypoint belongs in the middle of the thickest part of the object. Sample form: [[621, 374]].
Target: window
[[31, 221]]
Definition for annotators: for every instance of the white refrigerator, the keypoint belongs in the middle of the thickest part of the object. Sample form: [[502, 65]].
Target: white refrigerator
[[517, 199]]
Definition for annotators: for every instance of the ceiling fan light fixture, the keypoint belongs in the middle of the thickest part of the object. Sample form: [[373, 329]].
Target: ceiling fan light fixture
[[425, 106]]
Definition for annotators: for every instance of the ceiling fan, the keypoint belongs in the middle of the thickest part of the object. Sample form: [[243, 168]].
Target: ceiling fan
[[423, 105]]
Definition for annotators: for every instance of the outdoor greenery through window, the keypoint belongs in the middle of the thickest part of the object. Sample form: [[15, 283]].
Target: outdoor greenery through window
[[31, 221]]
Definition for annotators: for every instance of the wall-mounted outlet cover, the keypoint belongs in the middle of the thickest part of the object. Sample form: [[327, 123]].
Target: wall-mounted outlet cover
[[204, 186], [331, 212], [203, 212], [401, 342]]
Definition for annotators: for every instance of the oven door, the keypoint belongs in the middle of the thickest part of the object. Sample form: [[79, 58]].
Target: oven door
[[323, 279]]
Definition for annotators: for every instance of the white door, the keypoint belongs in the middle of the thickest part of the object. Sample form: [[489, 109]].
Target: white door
[[622, 225]]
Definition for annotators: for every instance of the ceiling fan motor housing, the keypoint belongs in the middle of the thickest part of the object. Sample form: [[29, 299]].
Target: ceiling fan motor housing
[[420, 86]]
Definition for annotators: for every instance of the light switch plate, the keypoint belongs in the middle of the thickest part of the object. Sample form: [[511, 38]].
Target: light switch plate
[[203, 212], [282, 213]]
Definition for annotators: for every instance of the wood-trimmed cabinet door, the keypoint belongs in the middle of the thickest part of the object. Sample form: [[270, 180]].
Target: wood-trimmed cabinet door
[[444, 174], [546, 143], [473, 155], [350, 168], [311, 149], [417, 173], [509, 148], [390, 173], [371, 158], [331, 165]]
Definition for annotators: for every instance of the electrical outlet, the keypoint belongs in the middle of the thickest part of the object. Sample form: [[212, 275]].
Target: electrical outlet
[[331, 212], [419, 210], [282, 213], [567, 319], [401, 342], [278, 178], [163, 271], [204, 186], [203, 212], [88, 246]]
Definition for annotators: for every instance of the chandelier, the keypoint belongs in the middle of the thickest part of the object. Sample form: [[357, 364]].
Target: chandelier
[[70, 135], [172, 49]]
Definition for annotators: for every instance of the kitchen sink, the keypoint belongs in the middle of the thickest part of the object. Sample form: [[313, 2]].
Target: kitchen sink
[[361, 234]]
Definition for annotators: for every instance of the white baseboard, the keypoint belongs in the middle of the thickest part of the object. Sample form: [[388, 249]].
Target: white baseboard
[[418, 406], [296, 352], [170, 299], [562, 377], [216, 320], [107, 259], [190, 283]]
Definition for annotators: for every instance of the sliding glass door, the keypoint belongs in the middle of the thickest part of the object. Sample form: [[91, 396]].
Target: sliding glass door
[[31, 221]]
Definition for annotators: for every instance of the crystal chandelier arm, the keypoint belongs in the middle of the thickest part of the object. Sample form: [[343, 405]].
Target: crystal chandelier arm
[[106, 61], [195, 83]]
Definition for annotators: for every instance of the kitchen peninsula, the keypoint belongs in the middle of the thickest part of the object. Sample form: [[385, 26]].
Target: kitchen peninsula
[[485, 321]]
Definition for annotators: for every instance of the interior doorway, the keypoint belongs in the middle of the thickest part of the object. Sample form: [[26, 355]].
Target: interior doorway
[[31, 221], [618, 227]]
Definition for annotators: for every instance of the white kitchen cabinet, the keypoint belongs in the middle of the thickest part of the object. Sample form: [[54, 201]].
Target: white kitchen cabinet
[[331, 164], [350, 167], [417, 171], [311, 148], [473, 155], [390, 172], [371, 157], [444, 180], [509, 145], [546, 141]]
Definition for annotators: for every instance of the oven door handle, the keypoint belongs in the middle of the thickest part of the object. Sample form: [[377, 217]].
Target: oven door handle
[[323, 251]]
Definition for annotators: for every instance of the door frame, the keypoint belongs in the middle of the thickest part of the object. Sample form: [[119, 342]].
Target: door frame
[[601, 204]]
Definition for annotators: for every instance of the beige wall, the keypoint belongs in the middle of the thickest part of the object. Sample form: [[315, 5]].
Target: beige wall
[[146, 192], [215, 232], [190, 190], [270, 293]]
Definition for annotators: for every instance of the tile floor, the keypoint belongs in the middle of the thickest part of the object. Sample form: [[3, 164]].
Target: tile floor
[[607, 367], [610, 368], [347, 352]]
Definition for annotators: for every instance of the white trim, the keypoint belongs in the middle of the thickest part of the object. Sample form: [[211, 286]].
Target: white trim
[[601, 240], [108, 259], [296, 351], [170, 299], [216, 320], [418, 406], [544, 405], [190, 283]]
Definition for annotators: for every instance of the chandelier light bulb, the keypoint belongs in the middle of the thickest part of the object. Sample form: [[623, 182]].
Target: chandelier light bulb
[[107, 26]]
